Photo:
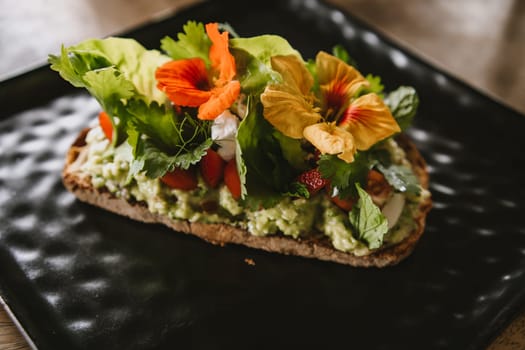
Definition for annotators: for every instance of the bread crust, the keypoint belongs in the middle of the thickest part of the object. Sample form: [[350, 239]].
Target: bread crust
[[318, 246]]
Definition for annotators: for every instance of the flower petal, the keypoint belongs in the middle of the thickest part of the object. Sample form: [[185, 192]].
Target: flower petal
[[331, 139], [221, 98], [289, 106], [185, 82], [369, 120], [338, 82], [223, 133], [294, 73], [288, 111], [222, 60]]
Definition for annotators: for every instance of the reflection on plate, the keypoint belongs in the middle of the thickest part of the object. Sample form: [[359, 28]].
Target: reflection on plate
[[78, 277]]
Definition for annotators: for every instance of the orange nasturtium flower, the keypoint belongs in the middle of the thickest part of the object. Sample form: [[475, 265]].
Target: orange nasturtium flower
[[189, 83], [334, 122]]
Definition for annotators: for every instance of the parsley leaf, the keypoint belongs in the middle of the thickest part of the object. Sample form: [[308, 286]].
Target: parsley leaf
[[375, 84], [162, 139], [369, 223], [161, 123], [156, 162], [193, 42], [343, 175], [110, 88]]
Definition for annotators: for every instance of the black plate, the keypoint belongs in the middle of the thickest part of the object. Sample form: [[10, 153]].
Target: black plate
[[77, 277]]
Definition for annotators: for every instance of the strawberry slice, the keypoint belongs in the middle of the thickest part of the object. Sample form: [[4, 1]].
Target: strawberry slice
[[106, 125], [212, 168], [180, 179], [312, 180], [232, 180]]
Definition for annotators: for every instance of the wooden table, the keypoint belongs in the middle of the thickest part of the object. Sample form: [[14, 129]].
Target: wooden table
[[481, 42]]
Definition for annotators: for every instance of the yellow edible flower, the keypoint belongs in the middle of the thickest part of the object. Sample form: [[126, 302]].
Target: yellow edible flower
[[369, 120], [289, 106], [331, 139], [334, 121]]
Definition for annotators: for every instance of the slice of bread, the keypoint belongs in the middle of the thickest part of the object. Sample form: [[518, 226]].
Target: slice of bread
[[318, 246]]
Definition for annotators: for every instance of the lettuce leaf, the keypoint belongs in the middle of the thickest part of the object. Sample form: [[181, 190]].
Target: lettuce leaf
[[113, 70], [292, 151], [103, 80], [263, 47], [252, 73], [127, 56], [369, 223], [253, 60], [192, 42]]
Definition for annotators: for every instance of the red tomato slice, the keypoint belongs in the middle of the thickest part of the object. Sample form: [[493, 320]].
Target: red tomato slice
[[180, 179], [232, 180], [212, 168]]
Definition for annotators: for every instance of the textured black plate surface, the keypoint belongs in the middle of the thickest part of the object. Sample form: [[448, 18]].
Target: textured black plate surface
[[77, 277]]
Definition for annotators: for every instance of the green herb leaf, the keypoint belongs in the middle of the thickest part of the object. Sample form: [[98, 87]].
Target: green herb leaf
[[340, 52], [192, 42], [375, 84], [109, 87], [297, 189], [403, 103], [343, 175], [155, 162], [167, 140], [292, 151], [130, 58], [72, 67], [267, 173], [161, 123], [401, 178], [369, 223]]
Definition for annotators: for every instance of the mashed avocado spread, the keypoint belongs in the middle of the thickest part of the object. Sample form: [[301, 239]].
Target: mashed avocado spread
[[109, 168]]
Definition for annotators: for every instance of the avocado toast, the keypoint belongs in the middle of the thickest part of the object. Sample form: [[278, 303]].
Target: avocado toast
[[241, 140]]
